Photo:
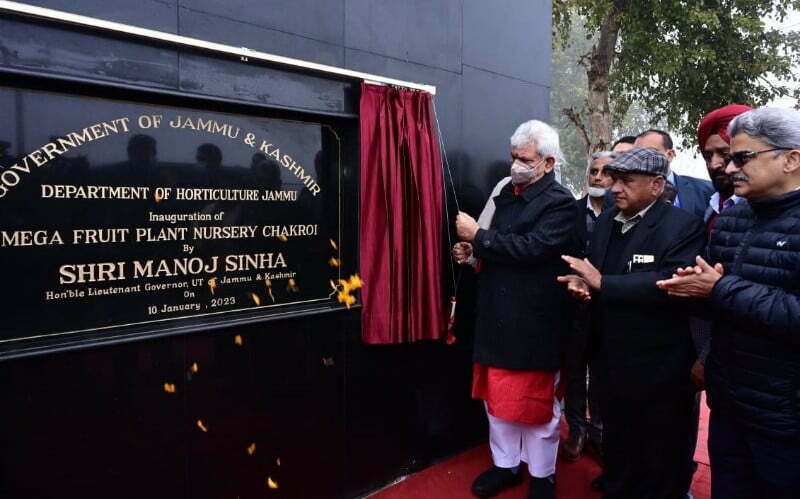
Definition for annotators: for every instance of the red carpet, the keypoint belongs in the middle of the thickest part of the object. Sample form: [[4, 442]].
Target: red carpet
[[451, 479]]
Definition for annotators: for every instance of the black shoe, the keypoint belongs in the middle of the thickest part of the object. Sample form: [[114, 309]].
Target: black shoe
[[595, 450], [571, 448], [542, 488], [494, 480], [599, 484]]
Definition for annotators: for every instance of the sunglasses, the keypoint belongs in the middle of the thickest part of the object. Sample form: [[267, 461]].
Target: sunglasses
[[741, 158]]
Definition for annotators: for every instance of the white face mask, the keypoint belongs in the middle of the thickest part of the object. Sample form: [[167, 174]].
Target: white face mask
[[522, 173], [596, 192]]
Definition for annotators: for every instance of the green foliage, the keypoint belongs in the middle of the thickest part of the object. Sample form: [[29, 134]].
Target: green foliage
[[569, 90], [680, 59]]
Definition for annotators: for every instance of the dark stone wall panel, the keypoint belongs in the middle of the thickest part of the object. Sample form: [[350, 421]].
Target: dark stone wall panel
[[418, 31], [161, 15], [377, 26], [38, 47], [264, 85], [434, 33], [320, 20], [240, 34], [509, 37], [101, 425]]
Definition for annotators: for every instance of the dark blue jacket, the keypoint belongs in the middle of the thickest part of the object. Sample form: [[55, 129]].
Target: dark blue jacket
[[693, 193], [753, 369], [523, 313]]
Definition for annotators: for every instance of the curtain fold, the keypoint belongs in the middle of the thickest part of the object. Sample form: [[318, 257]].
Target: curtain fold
[[401, 217]]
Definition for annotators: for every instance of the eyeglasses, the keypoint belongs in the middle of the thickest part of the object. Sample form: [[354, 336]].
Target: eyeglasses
[[741, 158]]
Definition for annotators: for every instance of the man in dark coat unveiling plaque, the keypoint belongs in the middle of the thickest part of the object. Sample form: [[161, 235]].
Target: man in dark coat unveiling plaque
[[523, 314]]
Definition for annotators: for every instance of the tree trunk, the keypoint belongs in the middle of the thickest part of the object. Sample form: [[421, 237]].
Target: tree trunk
[[600, 62]]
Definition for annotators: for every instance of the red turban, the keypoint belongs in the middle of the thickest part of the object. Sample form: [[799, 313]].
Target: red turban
[[716, 123]]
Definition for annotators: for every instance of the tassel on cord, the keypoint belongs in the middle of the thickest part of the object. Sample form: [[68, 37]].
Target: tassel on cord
[[450, 338], [451, 323]]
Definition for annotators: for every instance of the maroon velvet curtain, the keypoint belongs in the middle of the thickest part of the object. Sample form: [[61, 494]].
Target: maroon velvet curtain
[[401, 217]]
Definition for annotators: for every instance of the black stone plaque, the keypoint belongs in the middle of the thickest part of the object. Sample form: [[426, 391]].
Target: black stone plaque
[[118, 216]]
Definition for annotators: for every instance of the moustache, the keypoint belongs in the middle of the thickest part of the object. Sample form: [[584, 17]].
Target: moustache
[[739, 177]]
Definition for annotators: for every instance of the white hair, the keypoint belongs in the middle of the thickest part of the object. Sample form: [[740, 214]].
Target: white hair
[[599, 155], [776, 127], [542, 135]]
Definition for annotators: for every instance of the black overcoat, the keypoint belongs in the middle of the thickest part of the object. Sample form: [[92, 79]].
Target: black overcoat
[[523, 313], [642, 343]]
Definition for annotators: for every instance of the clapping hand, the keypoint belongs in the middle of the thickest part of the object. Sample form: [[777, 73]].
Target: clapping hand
[[586, 271], [693, 282], [576, 286]]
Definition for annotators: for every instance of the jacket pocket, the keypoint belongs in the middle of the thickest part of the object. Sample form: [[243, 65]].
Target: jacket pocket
[[642, 267]]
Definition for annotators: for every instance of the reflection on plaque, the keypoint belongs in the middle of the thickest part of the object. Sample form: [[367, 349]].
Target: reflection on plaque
[[116, 215]]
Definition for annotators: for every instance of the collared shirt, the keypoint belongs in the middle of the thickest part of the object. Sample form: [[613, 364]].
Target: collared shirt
[[715, 207], [629, 223], [714, 202], [590, 206], [671, 179]]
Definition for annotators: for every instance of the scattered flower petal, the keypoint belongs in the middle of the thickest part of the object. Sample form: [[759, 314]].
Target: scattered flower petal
[[201, 425], [169, 387], [355, 282], [272, 483], [333, 262], [238, 339], [333, 244], [251, 449], [255, 298], [346, 298]]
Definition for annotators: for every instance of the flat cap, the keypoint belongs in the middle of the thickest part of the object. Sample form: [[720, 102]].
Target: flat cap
[[644, 160]]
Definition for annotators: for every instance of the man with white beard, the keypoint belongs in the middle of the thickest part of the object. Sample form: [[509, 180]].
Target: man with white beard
[[582, 431]]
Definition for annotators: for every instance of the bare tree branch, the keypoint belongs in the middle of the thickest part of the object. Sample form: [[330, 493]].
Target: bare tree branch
[[575, 118], [780, 90], [585, 59]]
